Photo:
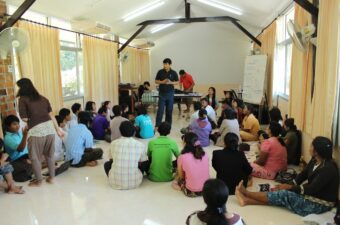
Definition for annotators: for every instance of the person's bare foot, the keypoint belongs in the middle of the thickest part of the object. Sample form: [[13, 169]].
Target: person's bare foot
[[49, 180], [240, 197], [35, 183], [15, 190], [92, 164], [240, 187]]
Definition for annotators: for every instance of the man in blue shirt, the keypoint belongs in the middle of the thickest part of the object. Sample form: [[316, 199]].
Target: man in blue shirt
[[166, 78], [15, 143], [79, 144]]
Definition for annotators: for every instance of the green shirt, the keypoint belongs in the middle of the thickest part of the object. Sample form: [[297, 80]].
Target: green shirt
[[161, 150]]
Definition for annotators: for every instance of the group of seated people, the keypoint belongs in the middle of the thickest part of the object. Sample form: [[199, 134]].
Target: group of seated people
[[314, 190]]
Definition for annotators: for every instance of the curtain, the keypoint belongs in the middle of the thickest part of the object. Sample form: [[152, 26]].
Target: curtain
[[135, 65], [326, 68], [40, 62], [144, 58], [100, 70], [268, 39], [301, 77]]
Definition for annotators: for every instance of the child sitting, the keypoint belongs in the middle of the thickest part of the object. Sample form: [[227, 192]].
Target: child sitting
[[66, 119], [215, 195], [79, 144], [15, 142], [210, 112], [230, 164], [59, 145], [6, 178], [160, 152], [100, 125], [143, 124], [115, 122], [202, 128], [126, 157], [192, 167]]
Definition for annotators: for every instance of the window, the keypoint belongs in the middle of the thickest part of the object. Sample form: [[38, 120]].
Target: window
[[283, 55], [71, 61]]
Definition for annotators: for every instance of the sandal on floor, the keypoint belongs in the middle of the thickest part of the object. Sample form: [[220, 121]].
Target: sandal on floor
[[19, 191], [49, 180], [34, 183]]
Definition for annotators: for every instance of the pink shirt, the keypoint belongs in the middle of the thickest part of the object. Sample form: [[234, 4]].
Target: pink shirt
[[277, 155], [196, 171]]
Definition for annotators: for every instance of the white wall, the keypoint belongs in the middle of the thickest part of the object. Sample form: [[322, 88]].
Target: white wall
[[212, 53]]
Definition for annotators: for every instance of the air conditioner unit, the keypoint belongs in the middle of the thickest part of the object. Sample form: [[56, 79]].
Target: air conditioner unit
[[90, 27], [142, 43]]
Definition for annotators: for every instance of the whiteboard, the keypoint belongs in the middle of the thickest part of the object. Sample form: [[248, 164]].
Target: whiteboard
[[254, 77]]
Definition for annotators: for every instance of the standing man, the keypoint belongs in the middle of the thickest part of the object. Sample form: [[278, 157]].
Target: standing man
[[187, 85], [166, 78]]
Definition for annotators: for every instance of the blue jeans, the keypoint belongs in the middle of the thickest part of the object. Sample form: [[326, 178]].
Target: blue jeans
[[165, 100]]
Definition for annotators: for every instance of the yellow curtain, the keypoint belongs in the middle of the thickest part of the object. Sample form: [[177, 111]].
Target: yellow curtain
[[129, 66], [144, 58], [135, 65], [40, 62], [301, 77], [326, 68], [100, 70], [268, 39]]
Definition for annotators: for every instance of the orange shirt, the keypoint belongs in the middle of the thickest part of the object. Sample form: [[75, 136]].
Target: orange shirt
[[186, 80], [251, 123]]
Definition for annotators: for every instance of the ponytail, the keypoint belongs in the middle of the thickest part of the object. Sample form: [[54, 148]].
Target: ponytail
[[213, 216], [193, 145]]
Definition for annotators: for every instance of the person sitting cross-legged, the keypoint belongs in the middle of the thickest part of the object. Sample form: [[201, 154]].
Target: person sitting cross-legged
[[128, 160], [160, 152], [315, 189], [79, 144], [15, 143]]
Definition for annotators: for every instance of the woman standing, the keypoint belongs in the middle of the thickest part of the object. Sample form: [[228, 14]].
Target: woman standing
[[36, 111]]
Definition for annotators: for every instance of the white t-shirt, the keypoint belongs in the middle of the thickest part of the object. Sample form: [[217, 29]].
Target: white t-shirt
[[228, 126], [194, 116], [211, 113]]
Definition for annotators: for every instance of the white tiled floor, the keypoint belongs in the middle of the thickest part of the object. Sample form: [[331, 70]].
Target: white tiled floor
[[83, 197]]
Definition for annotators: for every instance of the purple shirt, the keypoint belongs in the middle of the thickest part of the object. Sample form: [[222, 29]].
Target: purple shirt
[[99, 125], [202, 128]]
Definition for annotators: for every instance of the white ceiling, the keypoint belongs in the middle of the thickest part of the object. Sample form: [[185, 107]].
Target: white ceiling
[[256, 13]]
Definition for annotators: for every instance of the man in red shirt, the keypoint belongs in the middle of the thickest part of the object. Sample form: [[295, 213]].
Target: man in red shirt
[[187, 85]]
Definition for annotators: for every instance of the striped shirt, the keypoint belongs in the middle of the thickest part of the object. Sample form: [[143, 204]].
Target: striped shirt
[[78, 139], [126, 154]]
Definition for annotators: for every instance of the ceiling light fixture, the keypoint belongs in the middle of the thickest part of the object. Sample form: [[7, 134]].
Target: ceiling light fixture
[[143, 10], [221, 5], [161, 27]]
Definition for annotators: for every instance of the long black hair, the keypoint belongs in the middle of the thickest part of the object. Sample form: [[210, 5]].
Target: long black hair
[[275, 114], [215, 195], [324, 147], [231, 142], [106, 103], [89, 106], [192, 145], [27, 89], [213, 101], [276, 129]]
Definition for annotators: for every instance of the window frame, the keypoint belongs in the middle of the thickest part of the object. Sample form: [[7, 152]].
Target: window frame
[[76, 50], [285, 44]]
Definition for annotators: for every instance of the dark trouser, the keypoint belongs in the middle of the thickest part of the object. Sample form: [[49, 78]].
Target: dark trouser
[[89, 156], [22, 169], [166, 100], [143, 167]]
